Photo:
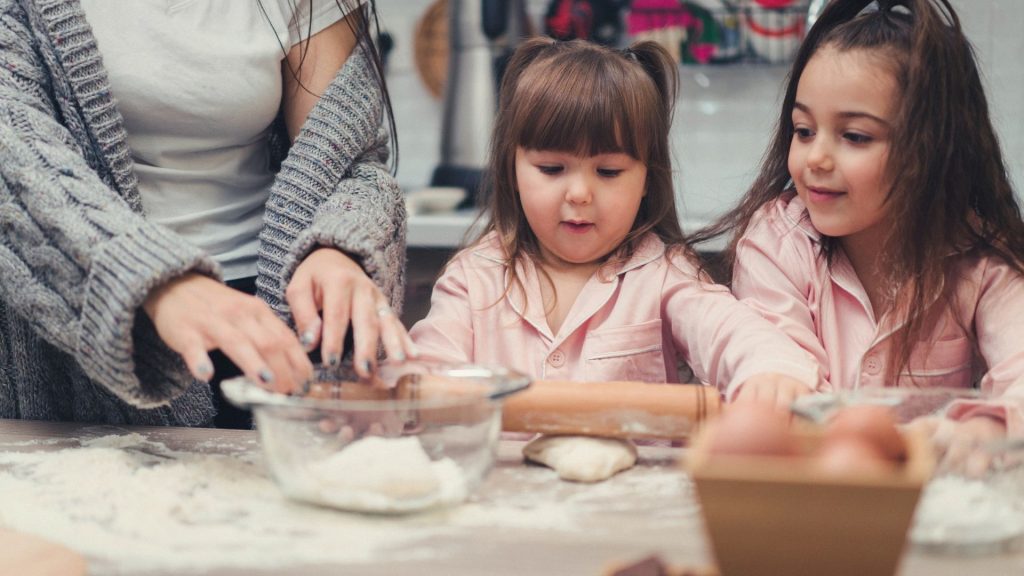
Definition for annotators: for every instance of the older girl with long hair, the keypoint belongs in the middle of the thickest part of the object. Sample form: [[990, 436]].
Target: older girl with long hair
[[882, 233]]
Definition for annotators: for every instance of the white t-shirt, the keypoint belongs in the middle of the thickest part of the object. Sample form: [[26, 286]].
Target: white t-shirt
[[199, 84]]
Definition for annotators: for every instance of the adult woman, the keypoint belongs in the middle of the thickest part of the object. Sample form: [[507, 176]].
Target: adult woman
[[113, 225]]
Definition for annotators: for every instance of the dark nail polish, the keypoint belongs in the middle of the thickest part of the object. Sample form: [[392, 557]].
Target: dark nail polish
[[266, 376], [205, 370], [367, 367], [333, 360], [306, 338]]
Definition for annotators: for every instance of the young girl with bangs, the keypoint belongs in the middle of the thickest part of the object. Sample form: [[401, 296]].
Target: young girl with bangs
[[582, 272], [882, 233]]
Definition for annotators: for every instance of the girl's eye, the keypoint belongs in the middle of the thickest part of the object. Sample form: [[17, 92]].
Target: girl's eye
[[857, 138], [550, 170], [803, 133], [608, 172]]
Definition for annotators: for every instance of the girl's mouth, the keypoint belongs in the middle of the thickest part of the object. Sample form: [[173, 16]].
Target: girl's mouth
[[823, 194], [577, 227]]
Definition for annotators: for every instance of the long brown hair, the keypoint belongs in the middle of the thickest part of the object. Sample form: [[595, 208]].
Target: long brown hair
[[585, 99], [950, 194], [365, 26]]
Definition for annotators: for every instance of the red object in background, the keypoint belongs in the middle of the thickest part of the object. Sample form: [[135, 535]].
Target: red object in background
[[568, 19], [774, 4]]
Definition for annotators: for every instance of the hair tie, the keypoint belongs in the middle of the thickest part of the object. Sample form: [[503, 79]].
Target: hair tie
[[629, 54]]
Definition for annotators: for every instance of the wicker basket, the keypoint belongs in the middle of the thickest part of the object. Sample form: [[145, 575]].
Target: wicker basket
[[430, 47]]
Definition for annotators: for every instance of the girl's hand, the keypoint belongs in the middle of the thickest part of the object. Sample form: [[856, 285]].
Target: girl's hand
[[961, 444], [773, 389], [330, 282], [194, 314]]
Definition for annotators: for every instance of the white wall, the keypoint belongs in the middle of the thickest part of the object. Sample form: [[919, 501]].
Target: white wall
[[996, 28]]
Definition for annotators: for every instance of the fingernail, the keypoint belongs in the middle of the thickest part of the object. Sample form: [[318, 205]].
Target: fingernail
[[333, 360], [306, 339], [266, 376], [367, 367], [414, 351], [205, 370], [400, 356]]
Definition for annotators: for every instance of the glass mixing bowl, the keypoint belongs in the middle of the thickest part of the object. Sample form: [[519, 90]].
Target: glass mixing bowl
[[420, 435]]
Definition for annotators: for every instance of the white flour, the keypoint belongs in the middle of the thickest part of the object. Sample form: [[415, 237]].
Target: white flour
[[959, 512], [133, 506]]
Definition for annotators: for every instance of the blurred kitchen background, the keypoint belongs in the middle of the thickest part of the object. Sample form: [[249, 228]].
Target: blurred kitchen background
[[733, 61]]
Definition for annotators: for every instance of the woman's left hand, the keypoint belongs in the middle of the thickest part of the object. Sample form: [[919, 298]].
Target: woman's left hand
[[327, 292]]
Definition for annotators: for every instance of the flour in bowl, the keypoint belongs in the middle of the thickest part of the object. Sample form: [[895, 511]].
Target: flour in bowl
[[384, 475]]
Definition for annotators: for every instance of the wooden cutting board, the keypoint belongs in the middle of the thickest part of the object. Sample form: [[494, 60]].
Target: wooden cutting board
[[27, 555]]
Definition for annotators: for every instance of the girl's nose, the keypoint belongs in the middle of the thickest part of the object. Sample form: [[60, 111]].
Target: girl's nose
[[578, 191], [819, 157]]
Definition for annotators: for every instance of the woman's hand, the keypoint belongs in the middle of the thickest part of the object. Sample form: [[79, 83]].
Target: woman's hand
[[773, 389], [331, 283], [194, 314]]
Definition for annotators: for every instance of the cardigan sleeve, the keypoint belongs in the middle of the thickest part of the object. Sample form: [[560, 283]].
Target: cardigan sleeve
[[76, 260], [334, 191]]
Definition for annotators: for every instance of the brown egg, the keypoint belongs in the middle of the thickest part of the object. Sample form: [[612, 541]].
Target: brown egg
[[872, 424], [851, 455], [751, 430]]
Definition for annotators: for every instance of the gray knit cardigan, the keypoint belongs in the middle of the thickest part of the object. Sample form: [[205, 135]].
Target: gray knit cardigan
[[78, 256]]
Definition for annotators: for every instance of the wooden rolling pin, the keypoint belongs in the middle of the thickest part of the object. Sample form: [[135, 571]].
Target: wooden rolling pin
[[618, 409], [24, 554]]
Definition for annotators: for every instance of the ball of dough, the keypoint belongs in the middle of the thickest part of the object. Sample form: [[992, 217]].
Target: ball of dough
[[582, 458]]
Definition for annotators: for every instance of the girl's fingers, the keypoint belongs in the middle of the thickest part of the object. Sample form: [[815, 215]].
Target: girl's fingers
[[957, 454], [784, 398], [336, 316], [978, 463], [759, 393]]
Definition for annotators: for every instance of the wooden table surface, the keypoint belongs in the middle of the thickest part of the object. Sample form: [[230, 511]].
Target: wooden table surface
[[523, 520]]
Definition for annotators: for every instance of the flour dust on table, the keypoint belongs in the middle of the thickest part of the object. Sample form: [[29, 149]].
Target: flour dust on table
[[131, 505]]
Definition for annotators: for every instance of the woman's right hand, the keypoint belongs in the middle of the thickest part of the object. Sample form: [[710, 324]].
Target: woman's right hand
[[194, 314]]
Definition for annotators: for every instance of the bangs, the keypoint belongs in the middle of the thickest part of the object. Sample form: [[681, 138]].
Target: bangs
[[577, 106]]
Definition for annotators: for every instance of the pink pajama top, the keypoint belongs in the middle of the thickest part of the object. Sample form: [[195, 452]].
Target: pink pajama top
[[779, 272], [633, 323]]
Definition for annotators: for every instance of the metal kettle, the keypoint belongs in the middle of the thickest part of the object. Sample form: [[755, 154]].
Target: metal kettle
[[482, 35]]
